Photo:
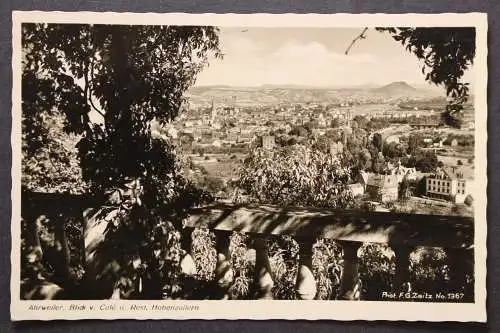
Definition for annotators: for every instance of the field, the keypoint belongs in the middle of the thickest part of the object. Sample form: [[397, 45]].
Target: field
[[221, 166]]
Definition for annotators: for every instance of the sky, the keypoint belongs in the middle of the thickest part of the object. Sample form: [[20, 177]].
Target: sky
[[310, 57]]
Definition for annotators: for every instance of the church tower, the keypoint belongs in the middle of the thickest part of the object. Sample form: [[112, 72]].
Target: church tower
[[347, 125], [214, 113]]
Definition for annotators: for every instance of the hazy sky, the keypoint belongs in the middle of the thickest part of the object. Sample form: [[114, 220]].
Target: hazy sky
[[309, 56]]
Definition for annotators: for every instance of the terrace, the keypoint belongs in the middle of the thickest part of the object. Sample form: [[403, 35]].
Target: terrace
[[351, 229]]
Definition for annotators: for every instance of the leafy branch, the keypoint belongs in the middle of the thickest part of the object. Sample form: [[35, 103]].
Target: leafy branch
[[360, 36]]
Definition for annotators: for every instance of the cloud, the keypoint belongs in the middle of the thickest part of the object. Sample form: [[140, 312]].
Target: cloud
[[313, 64], [249, 62], [313, 50], [240, 46]]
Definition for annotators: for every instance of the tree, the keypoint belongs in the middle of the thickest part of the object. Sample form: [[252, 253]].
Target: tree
[[186, 139], [110, 82], [361, 121], [296, 175], [426, 161], [52, 166], [393, 150], [335, 135], [364, 159], [414, 142], [378, 141], [302, 131], [404, 189], [378, 164], [125, 75], [335, 123]]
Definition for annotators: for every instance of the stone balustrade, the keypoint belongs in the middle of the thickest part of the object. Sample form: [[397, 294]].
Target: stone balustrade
[[351, 229], [402, 232]]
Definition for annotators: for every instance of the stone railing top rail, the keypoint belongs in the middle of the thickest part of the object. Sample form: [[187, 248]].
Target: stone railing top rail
[[377, 227]]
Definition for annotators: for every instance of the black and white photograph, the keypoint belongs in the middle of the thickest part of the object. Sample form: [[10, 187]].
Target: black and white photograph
[[187, 166]]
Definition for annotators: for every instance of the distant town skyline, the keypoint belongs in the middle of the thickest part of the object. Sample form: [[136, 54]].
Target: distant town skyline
[[313, 57]]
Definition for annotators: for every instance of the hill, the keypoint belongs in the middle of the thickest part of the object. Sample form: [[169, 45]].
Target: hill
[[396, 88], [403, 89], [277, 94]]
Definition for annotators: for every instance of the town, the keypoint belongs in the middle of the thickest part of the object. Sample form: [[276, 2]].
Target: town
[[402, 156]]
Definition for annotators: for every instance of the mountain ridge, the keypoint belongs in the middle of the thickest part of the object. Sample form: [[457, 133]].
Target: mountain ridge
[[276, 93]]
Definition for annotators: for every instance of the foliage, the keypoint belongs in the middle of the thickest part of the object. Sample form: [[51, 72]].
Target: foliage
[[376, 270], [204, 253], [378, 141], [50, 160], [73, 68], [464, 140], [425, 161], [243, 266], [283, 253], [296, 175], [327, 264], [446, 54], [110, 82], [302, 131], [429, 271], [404, 189], [393, 150], [415, 141]]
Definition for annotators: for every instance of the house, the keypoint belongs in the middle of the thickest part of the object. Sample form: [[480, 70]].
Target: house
[[392, 139], [362, 178], [401, 171], [450, 183], [336, 148], [268, 142], [356, 189], [383, 188], [217, 143]]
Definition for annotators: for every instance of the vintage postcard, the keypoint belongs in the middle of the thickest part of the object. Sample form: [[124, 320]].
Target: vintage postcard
[[229, 166]]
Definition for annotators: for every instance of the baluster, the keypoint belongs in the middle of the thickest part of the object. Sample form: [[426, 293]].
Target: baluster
[[224, 274], [62, 270], [97, 285], [263, 279], [461, 264], [402, 262], [188, 266], [349, 285], [32, 238], [306, 283]]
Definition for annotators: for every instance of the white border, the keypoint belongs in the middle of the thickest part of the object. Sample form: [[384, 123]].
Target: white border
[[309, 310]]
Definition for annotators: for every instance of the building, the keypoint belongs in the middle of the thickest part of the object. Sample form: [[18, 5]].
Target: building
[[392, 139], [213, 116], [450, 183], [383, 188], [268, 142], [402, 172], [362, 178], [217, 143], [356, 189], [336, 148]]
